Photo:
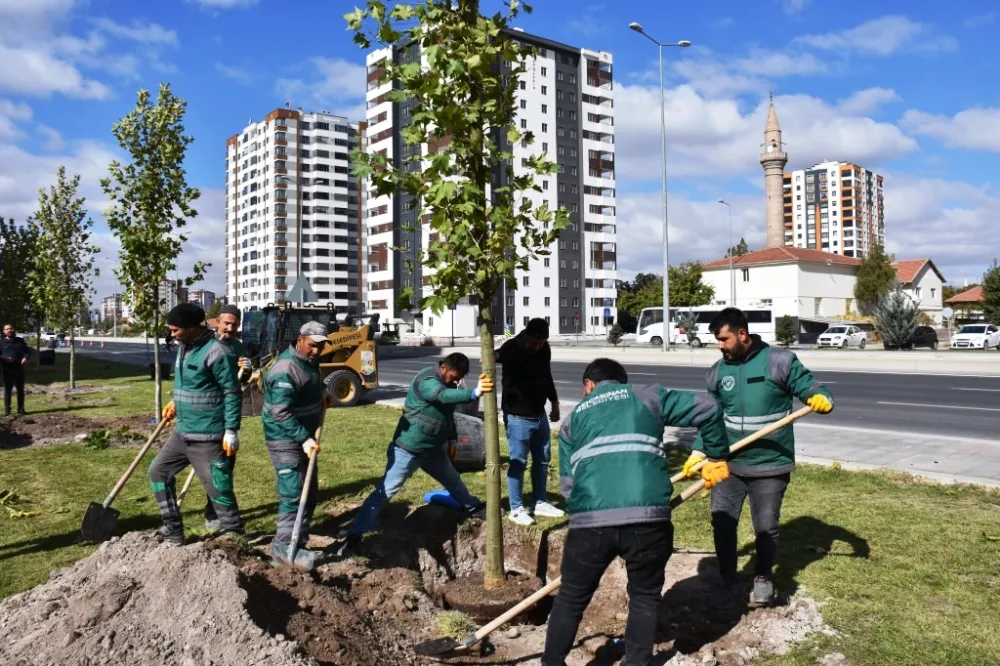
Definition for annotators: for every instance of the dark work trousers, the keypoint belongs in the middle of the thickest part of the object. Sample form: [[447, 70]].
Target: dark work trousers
[[13, 377], [214, 470], [290, 466], [587, 554], [210, 513], [766, 494]]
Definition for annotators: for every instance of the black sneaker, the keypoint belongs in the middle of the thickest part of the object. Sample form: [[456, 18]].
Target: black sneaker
[[763, 592], [170, 536]]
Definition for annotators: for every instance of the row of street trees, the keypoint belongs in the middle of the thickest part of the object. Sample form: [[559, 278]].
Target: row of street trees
[[47, 263]]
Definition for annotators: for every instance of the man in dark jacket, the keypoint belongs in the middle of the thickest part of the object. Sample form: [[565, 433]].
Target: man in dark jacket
[[14, 352], [527, 384], [207, 407], [420, 441], [755, 384], [613, 473]]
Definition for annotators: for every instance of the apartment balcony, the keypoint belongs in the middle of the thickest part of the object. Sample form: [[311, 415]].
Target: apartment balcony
[[280, 227], [281, 272]]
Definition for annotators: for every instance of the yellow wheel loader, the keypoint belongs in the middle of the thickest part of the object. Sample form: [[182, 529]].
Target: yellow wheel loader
[[349, 359]]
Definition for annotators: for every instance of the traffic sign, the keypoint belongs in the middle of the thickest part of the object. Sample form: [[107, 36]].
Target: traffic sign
[[607, 312]]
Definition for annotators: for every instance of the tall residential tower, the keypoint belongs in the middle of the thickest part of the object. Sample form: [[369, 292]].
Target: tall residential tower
[[566, 99], [293, 210]]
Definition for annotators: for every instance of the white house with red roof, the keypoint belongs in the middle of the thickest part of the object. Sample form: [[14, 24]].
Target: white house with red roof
[[813, 286]]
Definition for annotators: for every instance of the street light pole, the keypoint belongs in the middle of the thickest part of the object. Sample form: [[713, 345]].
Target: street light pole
[[732, 274], [663, 148]]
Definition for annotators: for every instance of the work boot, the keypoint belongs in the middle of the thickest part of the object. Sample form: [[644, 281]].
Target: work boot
[[213, 525], [169, 536], [728, 597], [351, 547], [763, 592]]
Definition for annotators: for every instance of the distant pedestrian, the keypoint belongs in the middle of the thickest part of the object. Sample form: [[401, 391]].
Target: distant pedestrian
[[14, 352], [527, 385]]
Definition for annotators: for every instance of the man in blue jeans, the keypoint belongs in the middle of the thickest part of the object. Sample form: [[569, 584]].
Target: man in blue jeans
[[527, 384], [420, 442]]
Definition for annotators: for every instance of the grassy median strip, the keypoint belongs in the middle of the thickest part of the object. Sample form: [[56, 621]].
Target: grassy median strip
[[907, 571]]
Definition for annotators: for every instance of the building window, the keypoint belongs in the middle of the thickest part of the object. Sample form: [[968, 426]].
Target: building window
[[545, 184], [545, 90], [560, 77], [562, 302], [525, 321], [545, 128], [527, 301], [524, 124], [523, 86], [545, 147], [545, 262], [545, 71], [545, 108], [548, 301], [576, 301], [524, 104], [548, 281], [524, 281], [746, 274], [933, 290]]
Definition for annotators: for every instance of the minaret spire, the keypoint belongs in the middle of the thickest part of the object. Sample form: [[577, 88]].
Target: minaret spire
[[774, 159]]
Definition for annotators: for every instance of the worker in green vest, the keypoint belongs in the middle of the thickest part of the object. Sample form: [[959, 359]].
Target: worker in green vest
[[420, 441], [755, 384]]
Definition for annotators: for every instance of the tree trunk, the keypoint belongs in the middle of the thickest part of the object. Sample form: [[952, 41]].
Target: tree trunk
[[72, 358], [157, 393], [493, 575]]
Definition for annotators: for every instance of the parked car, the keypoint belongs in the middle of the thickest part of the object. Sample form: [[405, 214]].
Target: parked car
[[843, 337], [976, 336], [924, 336]]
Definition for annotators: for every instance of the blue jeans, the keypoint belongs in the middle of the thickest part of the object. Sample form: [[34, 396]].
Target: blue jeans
[[527, 434], [400, 466]]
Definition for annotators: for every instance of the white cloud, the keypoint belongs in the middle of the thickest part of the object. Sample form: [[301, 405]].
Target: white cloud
[[868, 100], [241, 76], [699, 230], [338, 84], [794, 6], [883, 37], [10, 114], [53, 139], [145, 33], [714, 137], [975, 129], [38, 73], [713, 75], [980, 21], [920, 212], [723, 22], [223, 4]]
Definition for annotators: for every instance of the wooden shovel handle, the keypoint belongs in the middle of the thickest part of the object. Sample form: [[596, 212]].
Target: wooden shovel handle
[[747, 441], [485, 631], [135, 463]]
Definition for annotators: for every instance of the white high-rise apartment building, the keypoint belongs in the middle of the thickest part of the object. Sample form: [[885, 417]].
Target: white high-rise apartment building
[[293, 210], [567, 101], [835, 207]]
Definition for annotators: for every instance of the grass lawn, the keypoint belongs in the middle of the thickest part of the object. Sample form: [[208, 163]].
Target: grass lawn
[[909, 573]]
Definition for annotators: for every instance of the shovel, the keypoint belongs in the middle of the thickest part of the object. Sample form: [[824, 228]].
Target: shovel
[[187, 484], [100, 519], [747, 441], [305, 559], [443, 646]]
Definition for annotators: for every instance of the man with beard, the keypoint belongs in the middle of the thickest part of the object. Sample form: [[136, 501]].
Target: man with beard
[[755, 384]]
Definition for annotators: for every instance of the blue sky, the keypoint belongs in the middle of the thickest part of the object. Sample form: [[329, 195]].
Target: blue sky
[[900, 87]]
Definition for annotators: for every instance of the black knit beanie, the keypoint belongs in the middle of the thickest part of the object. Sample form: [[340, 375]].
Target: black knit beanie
[[186, 315], [231, 310]]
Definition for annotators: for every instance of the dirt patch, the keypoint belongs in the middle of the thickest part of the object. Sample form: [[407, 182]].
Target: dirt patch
[[466, 595], [137, 601], [63, 428]]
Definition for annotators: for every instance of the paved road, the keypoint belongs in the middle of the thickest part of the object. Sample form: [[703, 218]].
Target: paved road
[[939, 426], [950, 406], [125, 352]]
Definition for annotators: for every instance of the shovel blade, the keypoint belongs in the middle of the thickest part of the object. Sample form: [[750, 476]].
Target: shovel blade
[[304, 559], [99, 522], [437, 647]]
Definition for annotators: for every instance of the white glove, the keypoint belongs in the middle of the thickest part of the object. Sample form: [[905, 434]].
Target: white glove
[[310, 447], [231, 442]]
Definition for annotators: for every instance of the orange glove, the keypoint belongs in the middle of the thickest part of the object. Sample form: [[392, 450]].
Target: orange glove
[[452, 450], [714, 473], [169, 411], [327, 400]]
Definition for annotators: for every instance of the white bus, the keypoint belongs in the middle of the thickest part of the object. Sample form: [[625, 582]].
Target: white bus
[[650, 328]]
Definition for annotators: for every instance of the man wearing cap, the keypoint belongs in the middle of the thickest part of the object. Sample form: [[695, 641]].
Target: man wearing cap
[[294, 400], [206, 405], [424, 429]]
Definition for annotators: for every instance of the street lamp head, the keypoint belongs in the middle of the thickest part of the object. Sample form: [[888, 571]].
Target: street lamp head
[[684, 43], [635, 26], [723, 202]]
